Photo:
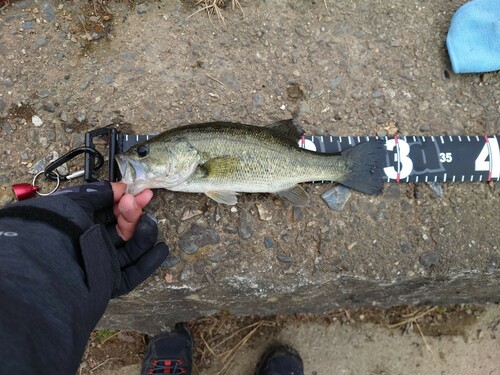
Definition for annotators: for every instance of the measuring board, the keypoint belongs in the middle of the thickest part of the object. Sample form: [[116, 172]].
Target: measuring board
[[408, 158]]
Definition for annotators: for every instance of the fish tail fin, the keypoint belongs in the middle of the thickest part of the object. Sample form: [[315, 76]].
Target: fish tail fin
[[366, 162]]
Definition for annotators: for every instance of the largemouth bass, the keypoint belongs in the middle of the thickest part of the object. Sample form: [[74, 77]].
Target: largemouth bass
[[221, 159]]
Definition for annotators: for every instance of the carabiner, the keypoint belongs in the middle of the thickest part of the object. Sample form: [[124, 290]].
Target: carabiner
[[50, 173]]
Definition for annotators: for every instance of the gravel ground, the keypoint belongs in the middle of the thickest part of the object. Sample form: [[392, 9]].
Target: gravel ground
[[366, 67]]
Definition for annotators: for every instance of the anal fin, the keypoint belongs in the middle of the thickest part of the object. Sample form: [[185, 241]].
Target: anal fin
[[296, 195], [224, 197]]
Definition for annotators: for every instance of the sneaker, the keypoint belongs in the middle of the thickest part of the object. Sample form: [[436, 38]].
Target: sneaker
[[170, 353], [280, 360]]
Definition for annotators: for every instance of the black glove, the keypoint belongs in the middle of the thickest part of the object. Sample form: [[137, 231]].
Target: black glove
[[60, 265], [132, 261]]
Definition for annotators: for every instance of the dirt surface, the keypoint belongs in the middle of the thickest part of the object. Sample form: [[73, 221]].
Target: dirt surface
[[426, 340], [358, 68]]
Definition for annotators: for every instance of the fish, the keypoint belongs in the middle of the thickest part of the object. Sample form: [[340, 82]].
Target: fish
[[222, 159]]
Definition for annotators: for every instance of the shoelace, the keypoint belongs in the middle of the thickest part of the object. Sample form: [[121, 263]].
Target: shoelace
[[167, 366]]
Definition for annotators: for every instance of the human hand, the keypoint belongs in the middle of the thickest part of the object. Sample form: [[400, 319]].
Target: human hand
[[128, 208]]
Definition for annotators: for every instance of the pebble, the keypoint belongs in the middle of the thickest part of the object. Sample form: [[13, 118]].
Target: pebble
[[264, 213], [429, 259], [437, 188], [190, 213], [187, 272], [81, 117], [27, 25], [141, 8], [2, 105], [257, 101], [170, 261], [337, 197], [298, 215], [334, 82], [425, 127], [229, 79], [196, 237], [245, 225], [127, 56], [42, 163], [107, 79], [296, 73], [39, 43], [284, 258], [37, 121], [268, 242], [48, 12]]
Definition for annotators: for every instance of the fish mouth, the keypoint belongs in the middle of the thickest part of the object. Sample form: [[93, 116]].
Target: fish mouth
[[132, 171]]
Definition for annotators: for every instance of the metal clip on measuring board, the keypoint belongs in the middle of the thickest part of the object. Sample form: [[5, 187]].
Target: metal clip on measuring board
[[109, 135], [408, 158]]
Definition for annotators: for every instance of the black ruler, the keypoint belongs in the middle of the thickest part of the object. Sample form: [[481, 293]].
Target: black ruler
[[408, 158]]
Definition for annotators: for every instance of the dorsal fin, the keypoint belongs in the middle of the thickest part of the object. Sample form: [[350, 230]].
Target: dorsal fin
[[287, 129]]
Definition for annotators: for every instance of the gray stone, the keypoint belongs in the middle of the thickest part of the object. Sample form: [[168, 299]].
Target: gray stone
[[141, 8], [437, 188], [127, 56], [425, 127], [48, 12], [39, 43], [2, 105], [268, 242], [334, 82], [230, 80], [257, 100], [245, 225], [27, 25], [170, 261], [429, 259], [337, 197], [284, 258], [187, 272], [107, 79], [196, 237]]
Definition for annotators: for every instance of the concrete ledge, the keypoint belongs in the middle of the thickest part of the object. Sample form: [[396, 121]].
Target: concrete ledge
[[373, 253]]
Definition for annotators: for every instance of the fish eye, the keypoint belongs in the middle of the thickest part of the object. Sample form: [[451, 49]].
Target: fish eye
[[142, 151]]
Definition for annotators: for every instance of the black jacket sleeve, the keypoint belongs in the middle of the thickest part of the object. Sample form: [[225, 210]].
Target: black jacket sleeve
[[46, 310], [61, 261]]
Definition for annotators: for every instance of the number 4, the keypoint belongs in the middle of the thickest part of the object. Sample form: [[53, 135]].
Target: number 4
[[491, 150]]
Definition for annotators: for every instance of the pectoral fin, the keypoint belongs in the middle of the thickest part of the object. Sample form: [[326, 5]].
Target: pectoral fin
[[296, 195], [223, 166], [224, 197]]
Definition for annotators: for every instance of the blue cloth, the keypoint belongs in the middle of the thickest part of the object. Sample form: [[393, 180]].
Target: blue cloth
[[474, 37]]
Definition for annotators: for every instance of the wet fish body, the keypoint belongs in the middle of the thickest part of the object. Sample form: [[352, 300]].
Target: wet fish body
[[221, 159]]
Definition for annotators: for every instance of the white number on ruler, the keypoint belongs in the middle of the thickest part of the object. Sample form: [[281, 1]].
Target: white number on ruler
[[402, 152], [491, 150], [445, 157], [307, 144]]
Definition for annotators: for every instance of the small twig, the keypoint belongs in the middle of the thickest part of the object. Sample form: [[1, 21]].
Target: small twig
[[214, 79], [423, 338], [208, 346], [235, 333], [326, 5], [200, 10], [412, 319], [102, 364], [229, 356]]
